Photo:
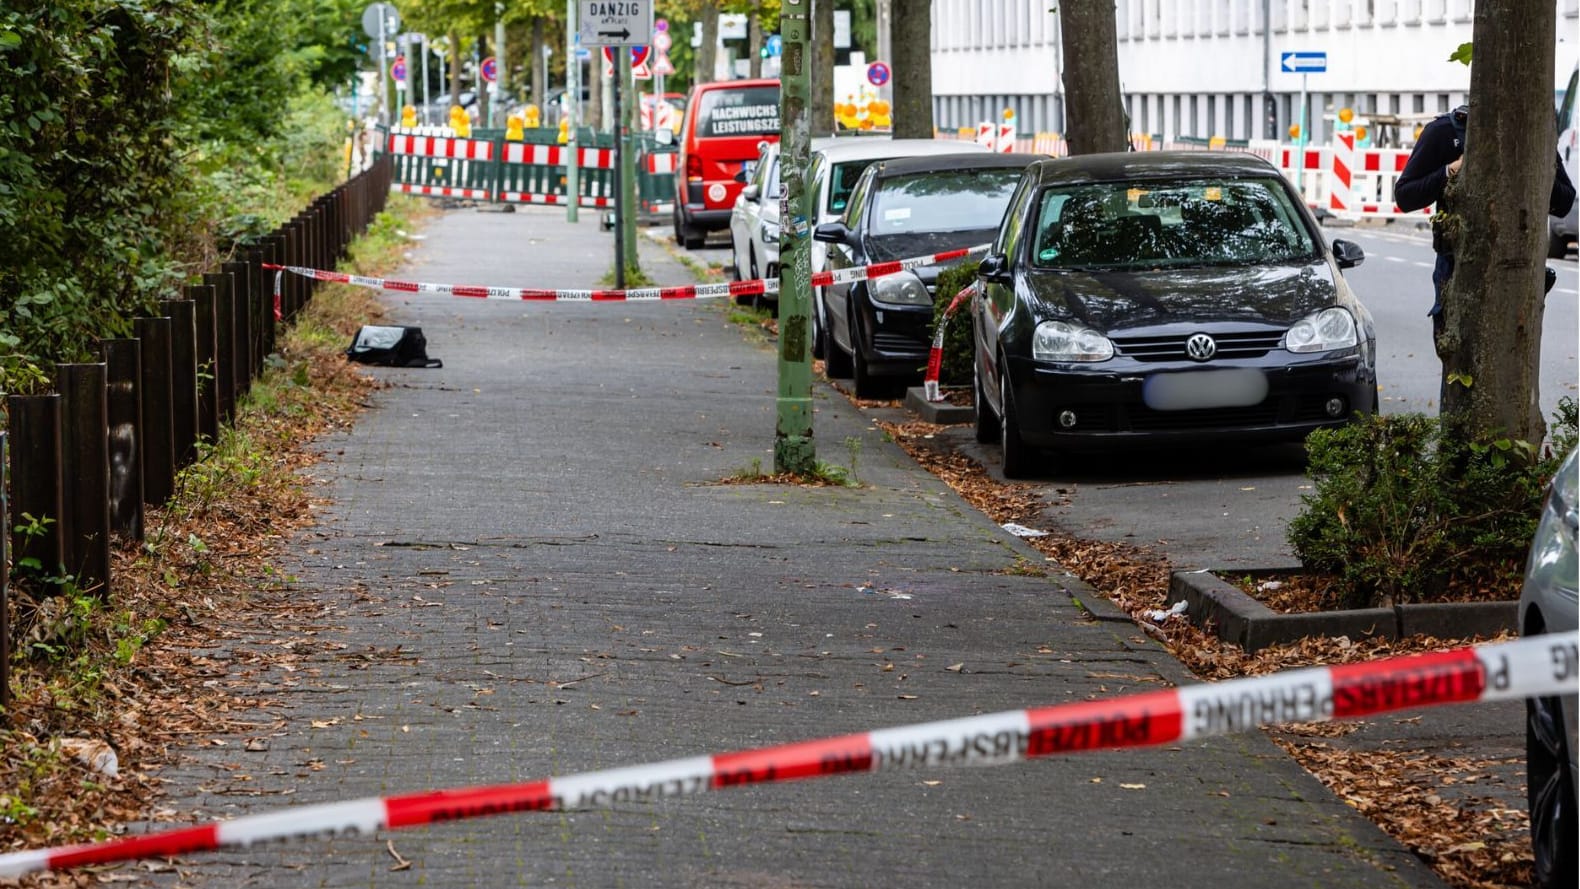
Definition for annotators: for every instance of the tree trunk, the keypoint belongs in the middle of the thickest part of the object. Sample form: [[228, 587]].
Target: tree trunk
[[595, 78], [708, 52], [539, 65], [1492, 306], [455, 68], [911, 28], [1094, 109], [822, 72], [480, 86], [754, 41]]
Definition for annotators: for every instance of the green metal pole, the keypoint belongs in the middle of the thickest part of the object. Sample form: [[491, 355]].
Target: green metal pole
[[573, 102], [794, 450], [627, 124]]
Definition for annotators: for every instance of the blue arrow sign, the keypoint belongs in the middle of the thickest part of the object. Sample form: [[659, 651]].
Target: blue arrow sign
[[1304, 62]]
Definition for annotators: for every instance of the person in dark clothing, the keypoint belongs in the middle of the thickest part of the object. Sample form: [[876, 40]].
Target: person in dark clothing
[[1436, 158]]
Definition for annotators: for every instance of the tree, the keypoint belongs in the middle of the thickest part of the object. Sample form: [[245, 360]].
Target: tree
[[754, 40], [911, 28], [1492, 306], [708, 52], [822, 107], [1096, 114]]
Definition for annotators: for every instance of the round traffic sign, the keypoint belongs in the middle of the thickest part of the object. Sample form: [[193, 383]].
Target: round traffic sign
[[398, 69], [490, 69], [661, 25], [639, 54], [380, 17], [878, 73], [662, 41]]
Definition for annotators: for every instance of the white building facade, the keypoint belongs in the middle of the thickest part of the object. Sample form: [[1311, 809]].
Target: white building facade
[[1212, 68]]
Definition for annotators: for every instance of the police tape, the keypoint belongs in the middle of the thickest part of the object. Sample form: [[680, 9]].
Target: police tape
[[935, 355], [1532, 667], [753, 287]]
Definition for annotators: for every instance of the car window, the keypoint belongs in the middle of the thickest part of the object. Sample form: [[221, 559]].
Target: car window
[[843, 178], [771, 179], [942, 201], [1120, 225], [748, 111], [1014, 218], [858, 196]]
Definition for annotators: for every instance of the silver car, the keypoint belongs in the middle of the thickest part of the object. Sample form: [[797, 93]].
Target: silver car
[[1547, 604]]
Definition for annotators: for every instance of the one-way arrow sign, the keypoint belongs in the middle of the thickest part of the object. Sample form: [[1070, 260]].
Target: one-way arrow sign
[[615, 22], [1305, 62]]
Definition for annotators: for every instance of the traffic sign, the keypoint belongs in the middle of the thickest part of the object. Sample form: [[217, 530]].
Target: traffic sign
[[662, 66], [662, 41], [398, 69], [626, 23], [371, 20], [661, 25], [1304, 62], [878, 73], [776, 45], [489, 69], [639, 55]]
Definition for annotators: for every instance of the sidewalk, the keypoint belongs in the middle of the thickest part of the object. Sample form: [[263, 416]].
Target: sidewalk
[[527, 568]]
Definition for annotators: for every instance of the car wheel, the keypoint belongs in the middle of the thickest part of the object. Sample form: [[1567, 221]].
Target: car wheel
[[987, 425], [1551, 793], [686, 234], [1557, 245], [819, 350], [836, 361], [674, 218], [866, 384], [1017, 454], [735, 257]]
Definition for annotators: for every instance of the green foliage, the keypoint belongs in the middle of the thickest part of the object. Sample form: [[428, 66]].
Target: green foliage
[[1461, 55], [956, 369], [1402, 513]]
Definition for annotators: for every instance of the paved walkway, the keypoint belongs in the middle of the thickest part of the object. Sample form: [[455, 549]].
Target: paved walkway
[[529, 568]]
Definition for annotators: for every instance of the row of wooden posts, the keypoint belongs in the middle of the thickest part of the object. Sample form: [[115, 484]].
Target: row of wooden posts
[[113, 435]]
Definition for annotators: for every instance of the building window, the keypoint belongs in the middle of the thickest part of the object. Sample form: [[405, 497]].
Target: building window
[[1462, 9], [1437, 11], [1280, 15], [1410, 12], [1224, 19], [1341, 13], [1386, 12], [1300, 15], [1153, 13]]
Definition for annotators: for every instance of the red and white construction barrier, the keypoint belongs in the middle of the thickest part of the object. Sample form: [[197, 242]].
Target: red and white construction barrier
[[441, 146], [1532, 667], [935, 356], [754, 287]]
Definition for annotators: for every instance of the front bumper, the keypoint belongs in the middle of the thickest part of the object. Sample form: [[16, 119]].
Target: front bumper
[[1109, 406], [894, 340]]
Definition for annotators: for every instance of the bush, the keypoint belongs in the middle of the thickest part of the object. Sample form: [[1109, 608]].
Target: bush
[[956, 370], [1401, 514]]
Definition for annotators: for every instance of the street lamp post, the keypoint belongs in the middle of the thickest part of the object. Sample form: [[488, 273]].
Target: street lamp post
[[794, 450]]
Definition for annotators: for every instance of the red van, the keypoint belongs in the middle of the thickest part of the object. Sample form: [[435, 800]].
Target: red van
[[724, 124]]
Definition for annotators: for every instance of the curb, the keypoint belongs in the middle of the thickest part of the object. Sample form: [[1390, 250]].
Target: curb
[[940, 412], [1238, 618]]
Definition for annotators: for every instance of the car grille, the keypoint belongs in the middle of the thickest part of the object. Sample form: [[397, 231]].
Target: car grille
[[898, 342], [1137, 417], [1250, 344]]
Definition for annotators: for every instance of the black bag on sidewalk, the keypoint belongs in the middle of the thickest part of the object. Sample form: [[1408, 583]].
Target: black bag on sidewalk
[[391, 347]]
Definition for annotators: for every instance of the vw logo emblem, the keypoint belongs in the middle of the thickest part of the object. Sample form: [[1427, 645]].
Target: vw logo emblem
[[1200, 347]]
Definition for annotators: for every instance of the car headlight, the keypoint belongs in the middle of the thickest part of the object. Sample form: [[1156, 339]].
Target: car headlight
[[769, 232], [1061, 341], [1325, 331], [902, 288]]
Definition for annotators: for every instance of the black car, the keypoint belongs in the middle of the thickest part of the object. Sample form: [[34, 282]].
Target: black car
[[915, 206], [1164, 298]]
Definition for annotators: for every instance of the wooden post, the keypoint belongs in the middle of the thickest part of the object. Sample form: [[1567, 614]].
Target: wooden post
[[183, 379], [159, 461], [36, 480], [123, 411], [86, 471], [5, 593], [208, 381], [224, 344]]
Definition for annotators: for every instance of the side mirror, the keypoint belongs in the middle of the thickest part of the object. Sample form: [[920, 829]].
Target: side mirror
[[1347, 254], [831, 233], [752, 192], [664, 136], [995, 269]]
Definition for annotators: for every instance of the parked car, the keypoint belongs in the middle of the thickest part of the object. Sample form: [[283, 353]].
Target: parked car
[[1547, 605], [836, 165], [724, 124], [754, 221], [879, 330], [1164, 298]]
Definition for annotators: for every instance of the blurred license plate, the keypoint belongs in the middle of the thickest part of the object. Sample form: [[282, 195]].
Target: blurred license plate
[[1194, 390]]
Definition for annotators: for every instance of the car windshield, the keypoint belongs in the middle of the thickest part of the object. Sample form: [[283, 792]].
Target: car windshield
[[748, 111], [942, 201], [1197, 222]]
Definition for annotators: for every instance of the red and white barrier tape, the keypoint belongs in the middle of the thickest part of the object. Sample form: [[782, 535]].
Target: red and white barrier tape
[[753, 287], [935, 355], [1532, 667]]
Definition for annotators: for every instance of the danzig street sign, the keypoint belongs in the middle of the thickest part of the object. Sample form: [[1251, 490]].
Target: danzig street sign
[[615, 22]]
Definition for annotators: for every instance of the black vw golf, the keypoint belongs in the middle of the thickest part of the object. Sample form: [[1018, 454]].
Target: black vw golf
[[1163, 297], [879, 330]]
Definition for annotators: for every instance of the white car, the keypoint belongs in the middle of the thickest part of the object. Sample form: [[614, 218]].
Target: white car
[[754, 220], [836, 165]]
